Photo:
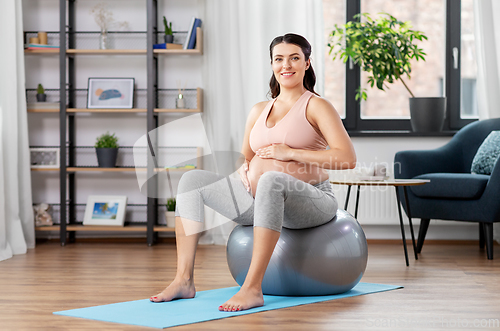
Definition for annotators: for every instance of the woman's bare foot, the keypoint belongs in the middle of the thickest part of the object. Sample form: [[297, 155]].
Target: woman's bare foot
[[178, 289], [246, 298]]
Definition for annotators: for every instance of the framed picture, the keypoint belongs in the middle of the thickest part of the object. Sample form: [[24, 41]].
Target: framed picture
[[105, 210], [44, 157], [110, 93]]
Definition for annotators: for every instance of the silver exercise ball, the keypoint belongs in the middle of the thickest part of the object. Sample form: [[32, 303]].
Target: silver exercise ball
[[323, 260]]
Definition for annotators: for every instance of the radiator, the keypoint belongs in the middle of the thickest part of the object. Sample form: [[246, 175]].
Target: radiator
[[377, 204]]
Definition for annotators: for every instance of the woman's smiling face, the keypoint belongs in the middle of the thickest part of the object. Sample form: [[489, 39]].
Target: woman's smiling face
[[289, 64]]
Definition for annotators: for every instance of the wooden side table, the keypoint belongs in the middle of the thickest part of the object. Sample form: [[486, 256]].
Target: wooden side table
[[397, 183]]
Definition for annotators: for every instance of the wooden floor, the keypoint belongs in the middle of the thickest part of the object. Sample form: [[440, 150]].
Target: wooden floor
[[450, 287]]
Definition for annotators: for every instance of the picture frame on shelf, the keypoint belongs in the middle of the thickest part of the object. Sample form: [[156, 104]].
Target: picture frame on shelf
[[103, 92], [105, 210], [44, 157]]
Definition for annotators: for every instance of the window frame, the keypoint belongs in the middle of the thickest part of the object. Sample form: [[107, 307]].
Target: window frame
[[356, 125]]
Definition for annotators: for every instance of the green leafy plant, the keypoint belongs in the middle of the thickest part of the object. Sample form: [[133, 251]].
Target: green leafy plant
[[168, 27], [171, 204], [40, 89], [383, 48], [106, 140]]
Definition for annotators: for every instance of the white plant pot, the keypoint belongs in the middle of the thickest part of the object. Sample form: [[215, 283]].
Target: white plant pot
[[170, 217]]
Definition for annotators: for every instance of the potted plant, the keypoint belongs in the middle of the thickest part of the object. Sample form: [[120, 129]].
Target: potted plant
[[169, 34], [106, 147], [170, 213], [384, 48], [40, 94]]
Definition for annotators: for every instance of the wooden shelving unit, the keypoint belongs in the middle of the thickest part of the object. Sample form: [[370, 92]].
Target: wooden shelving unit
[[48, 110], [197, 51], [198, 109], [96, 169], [67, 118], [42, 51], [106, 51], [127, 228], [44, 169], [125, 169], [103, 111]]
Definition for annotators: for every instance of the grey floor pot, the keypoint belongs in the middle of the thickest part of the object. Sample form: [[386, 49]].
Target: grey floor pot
[[106, 157], [427, 114]]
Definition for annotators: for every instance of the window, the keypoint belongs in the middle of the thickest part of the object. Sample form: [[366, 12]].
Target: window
[[449, 69], [427, 16]]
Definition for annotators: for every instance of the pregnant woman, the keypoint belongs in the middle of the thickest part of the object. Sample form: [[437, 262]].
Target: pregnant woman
[[283, 181]]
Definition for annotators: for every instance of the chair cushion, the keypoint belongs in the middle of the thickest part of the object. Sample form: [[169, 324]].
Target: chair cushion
[[487, 154], [451, 186]]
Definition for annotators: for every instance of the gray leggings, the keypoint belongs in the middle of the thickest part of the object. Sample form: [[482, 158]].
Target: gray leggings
[[281, 200]]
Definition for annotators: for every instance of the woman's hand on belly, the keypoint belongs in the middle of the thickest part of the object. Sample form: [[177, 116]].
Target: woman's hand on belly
[[259, 166], [307, 173], [280, 152]]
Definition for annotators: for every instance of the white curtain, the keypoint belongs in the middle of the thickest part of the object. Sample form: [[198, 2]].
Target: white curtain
[[237, 69], [17, 232], [487, 36]]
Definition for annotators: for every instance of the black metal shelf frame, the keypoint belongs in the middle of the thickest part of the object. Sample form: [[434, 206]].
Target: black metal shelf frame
[[135, 215], [164, 98], [90, 39], [67, 122]]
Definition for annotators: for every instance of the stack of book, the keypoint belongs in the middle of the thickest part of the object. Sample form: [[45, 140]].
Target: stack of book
[[190, 42], [167, 46], [39, 46]]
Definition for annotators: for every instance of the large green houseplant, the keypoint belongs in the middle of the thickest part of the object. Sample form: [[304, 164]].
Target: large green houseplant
[[106, 147], [384, 48]]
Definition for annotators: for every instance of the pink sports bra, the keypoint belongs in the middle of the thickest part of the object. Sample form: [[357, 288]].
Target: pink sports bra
[[293, 129]]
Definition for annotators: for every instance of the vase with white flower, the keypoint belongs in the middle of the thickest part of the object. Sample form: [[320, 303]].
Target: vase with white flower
[[104, 19]]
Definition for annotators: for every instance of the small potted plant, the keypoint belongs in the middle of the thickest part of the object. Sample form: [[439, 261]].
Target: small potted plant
[[384, 48], [169, 34], [106, 147], [170, 213], [40, 94]]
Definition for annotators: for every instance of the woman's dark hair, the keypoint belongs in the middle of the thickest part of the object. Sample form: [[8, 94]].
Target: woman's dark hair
[[309, 77]]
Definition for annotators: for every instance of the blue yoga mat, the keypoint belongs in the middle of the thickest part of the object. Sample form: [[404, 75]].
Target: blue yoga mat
[[204, 307]]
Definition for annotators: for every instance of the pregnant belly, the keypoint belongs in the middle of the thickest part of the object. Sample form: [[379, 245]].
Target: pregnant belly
[[307, 173]]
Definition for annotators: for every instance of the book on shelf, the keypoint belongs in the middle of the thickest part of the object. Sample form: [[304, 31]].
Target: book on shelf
[[190, 42], [42, 105], [39, 46], [167, 46]]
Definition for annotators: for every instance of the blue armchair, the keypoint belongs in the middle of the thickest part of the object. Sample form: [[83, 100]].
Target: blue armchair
[[453, 193]]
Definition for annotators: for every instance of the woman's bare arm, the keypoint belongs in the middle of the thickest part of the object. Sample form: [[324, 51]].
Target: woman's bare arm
[[246, 150]]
